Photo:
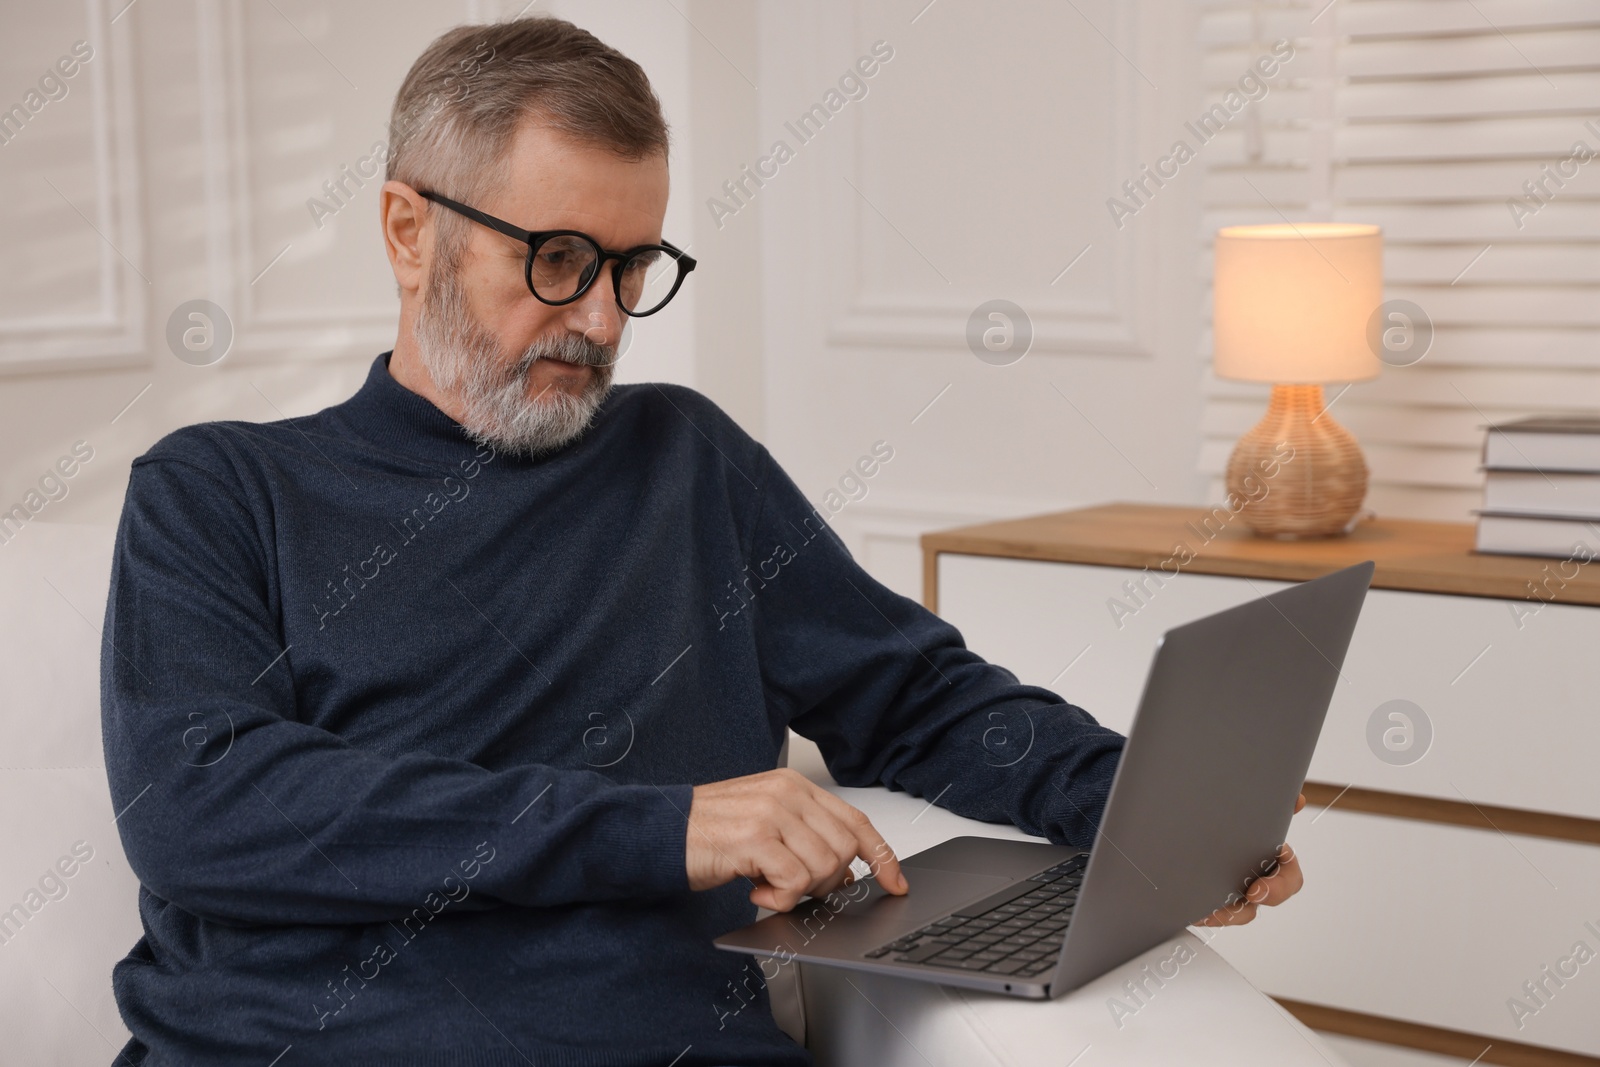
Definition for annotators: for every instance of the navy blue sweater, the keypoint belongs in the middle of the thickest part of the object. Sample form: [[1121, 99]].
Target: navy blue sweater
[[406, 731]]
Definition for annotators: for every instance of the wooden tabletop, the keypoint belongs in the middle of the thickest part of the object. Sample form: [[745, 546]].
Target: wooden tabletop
[[1430, 557]]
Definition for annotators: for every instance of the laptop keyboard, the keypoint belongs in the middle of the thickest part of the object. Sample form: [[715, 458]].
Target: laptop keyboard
[[1017, 931]]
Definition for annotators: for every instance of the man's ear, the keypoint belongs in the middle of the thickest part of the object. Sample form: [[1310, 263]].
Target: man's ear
[[406, 236]]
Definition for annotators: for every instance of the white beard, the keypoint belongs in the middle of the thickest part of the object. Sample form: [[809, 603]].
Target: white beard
[[464, 359]]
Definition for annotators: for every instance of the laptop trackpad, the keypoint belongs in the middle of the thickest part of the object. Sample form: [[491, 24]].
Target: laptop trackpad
[[933, 895]]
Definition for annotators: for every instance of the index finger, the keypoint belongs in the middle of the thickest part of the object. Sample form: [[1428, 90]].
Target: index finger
[[873, 848]]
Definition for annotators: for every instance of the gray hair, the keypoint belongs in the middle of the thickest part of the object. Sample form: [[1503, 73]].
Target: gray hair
[[465, 96]]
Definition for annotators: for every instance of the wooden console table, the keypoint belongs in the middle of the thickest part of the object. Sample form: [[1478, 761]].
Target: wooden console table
[[1493, 662], [1421, 557]]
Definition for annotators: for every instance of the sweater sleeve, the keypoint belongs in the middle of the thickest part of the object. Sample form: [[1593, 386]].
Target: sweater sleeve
[[892, 696], [234, 810]]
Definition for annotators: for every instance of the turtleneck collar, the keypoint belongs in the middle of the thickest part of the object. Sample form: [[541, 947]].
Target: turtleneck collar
[[387, 413], [393, 417]]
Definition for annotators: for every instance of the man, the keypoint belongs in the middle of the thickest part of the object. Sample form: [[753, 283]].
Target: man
[[445, 721]]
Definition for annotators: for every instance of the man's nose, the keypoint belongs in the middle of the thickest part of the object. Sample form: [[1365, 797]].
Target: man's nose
[[596, 315]]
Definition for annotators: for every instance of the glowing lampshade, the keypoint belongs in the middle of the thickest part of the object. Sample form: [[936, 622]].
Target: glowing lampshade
[[1292, 302]]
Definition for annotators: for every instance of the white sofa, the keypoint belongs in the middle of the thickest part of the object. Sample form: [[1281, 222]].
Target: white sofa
[[60, 933]]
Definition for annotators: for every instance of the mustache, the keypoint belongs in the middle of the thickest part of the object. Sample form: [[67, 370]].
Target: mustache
[[568, 348]]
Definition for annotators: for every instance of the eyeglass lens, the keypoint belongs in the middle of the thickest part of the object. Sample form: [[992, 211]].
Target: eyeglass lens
[[563, 265]]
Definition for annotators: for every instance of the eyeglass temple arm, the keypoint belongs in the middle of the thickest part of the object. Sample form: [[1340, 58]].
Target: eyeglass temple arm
[[477, 216]]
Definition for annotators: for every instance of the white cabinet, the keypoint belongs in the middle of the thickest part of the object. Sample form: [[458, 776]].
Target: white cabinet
[[1514, 715]]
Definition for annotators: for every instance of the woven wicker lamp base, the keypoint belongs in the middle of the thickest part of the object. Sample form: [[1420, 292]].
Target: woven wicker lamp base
[[1313, 491]]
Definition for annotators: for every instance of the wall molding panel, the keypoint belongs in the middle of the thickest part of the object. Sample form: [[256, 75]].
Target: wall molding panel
[[113, 335], [868, 314]]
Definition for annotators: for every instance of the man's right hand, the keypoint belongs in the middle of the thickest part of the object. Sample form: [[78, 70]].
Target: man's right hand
[[785, 833]]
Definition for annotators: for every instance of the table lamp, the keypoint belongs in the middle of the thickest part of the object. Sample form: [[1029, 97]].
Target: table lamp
[[1291, 307]]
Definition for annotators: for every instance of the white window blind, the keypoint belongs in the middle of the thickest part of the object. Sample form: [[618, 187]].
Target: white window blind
[[1427, 117]]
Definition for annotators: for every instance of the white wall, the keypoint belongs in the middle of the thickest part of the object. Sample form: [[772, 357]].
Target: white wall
[[213, 122], [179, 166], [977, 167]]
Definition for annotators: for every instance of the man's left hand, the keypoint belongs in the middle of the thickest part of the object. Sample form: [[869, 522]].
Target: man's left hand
[[1275, 888]]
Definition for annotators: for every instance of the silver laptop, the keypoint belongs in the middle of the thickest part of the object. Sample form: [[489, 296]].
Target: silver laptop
[[1201, 800]]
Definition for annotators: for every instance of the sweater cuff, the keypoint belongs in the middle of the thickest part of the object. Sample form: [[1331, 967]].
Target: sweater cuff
[[649, 851], [1076, 821]]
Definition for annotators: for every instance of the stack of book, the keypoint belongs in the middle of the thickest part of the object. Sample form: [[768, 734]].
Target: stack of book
[[1541, 492]]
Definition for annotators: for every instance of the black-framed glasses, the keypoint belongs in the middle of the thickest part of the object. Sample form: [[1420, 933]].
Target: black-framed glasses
[[563, 264]]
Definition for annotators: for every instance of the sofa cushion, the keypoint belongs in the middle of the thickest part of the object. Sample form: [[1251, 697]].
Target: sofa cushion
[[68, 900]]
